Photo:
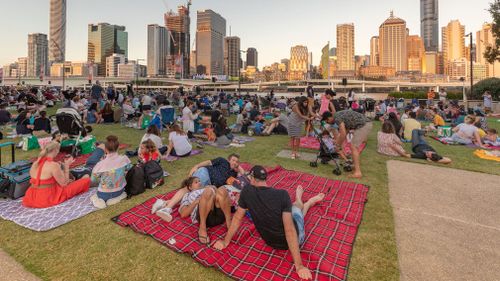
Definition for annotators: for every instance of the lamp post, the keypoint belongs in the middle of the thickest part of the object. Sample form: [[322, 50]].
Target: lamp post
[[464, 95], [471, 66]]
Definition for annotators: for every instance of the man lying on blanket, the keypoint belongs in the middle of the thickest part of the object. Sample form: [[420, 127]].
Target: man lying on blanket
[[217, 171], [279, 223]]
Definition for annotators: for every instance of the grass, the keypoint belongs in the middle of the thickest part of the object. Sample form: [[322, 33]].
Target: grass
[[94, 248]]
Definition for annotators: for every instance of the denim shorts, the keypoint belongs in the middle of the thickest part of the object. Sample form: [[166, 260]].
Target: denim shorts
[[109, 195], [202, 174], [298, 218]]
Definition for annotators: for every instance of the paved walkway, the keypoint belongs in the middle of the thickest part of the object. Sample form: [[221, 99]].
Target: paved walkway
[[447, 222], [10, 270]]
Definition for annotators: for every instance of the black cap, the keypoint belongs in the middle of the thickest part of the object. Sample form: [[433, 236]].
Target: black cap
[[259, 173]]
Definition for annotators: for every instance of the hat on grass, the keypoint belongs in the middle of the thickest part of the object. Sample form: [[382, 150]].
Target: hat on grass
[[259, 173]]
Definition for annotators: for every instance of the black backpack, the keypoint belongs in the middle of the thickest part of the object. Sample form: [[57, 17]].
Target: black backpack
[[135, 181], [153, 174]]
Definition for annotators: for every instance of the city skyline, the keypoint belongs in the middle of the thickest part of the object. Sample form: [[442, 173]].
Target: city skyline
[[272, 45]]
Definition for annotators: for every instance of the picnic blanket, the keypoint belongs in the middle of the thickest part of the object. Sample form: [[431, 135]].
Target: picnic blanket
[[47, 218], [171, 158], [331, 228], [236, 140], [489, 147], [488, 155], [79, 161], [313, 143]]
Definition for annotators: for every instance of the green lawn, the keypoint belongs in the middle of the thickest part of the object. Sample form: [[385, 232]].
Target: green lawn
[[94, 248]]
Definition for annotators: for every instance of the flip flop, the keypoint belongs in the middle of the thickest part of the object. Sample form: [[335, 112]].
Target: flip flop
[[207, 241]]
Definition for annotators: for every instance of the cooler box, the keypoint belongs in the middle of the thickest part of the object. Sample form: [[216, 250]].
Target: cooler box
[[444, 131], [14, 177]]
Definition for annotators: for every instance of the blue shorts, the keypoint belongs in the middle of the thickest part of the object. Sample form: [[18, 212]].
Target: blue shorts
[[298, 218], [202, 174], [109, 195]]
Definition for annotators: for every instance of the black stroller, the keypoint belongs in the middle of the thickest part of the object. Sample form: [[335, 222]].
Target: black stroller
[[70, 122], [325, 154]]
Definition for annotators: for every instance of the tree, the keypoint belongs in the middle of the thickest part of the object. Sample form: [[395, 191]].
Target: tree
[[492, 53], [490, 84]]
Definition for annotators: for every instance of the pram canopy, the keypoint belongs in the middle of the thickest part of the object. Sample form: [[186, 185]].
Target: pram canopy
[[69, 121]]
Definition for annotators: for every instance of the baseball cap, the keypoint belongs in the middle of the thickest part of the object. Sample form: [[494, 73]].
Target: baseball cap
[[259, 173]]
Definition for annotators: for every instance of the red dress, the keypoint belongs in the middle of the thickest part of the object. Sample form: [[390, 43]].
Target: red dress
[[51, 193]]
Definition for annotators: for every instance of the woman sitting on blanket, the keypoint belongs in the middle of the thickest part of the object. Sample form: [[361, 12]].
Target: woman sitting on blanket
[[465, 133], [110, 173], [153, 134], [50, 181], [389, 143], [178, 143]]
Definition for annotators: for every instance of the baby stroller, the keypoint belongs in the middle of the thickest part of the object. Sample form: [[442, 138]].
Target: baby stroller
[[70, 122], [326, 153]]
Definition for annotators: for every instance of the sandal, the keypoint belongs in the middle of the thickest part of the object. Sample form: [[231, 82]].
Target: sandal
[[207, 241]]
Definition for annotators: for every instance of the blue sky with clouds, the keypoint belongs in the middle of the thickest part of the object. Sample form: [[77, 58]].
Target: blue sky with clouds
[[272, 26]]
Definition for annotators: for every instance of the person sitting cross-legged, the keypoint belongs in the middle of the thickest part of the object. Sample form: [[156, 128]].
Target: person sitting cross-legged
[[278, 222]]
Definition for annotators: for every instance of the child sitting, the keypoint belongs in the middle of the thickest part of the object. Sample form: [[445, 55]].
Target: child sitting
[[491, 138], [148, 152], [164, 209], [328, 141]]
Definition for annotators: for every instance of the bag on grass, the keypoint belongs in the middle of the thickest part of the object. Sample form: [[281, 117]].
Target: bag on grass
[[30, 143], [135, 181], [153, 174]]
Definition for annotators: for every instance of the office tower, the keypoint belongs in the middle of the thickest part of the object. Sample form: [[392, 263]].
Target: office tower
[[158, 47], [415, 50], [429, 24], [112, 63], [345, 47], [431, 63], [374, 52], [286, 64], [179, 24], [22, 66], [484, 39], [105, 40], [57, 35], [299, 57], [453, 45], [38, 55], [210, 33], [325, 61], [252, 57], [392, 44], [232, 56]]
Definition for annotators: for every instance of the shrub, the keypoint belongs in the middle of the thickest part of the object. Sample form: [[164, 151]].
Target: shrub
[[423, 95], [490, 84]]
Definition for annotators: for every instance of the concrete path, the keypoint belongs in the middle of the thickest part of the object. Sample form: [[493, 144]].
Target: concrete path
[[447, 222], [12, 271]]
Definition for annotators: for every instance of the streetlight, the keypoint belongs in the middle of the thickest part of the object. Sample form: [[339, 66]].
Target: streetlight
[[239, 72], [471, 65], [464, 95]]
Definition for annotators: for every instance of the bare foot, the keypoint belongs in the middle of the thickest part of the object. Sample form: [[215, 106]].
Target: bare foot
[[317, 198], [299, 192], [355, 176]]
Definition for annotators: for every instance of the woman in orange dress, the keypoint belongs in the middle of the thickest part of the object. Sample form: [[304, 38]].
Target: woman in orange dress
[[50, 183]]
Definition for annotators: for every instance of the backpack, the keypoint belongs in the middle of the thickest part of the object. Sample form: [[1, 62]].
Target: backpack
[[135, 181], [153, 174]]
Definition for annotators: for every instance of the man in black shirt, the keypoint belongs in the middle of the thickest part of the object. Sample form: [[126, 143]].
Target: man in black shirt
[[279, 222], [217, 171], [422, 150]]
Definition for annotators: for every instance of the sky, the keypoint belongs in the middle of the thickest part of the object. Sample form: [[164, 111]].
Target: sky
[[271, 26]]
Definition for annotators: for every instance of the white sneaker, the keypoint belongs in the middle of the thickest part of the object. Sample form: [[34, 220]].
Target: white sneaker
[[98, 202], [157, 206], [116, 200], [165, 215]]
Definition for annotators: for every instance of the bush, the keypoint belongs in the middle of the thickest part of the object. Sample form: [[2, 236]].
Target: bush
[[490, 84], [423, 95]]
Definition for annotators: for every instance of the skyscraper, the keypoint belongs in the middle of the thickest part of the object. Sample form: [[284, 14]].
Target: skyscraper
[[453, 43], [325, 64], [158, 49], [484, 39], [232, 56], [38, 55], [392, 43], [105, 40], [112, 63], [57, 35], [416, 52], [345, 47], [252, 57], [178, 24], [429, 24], [299, 57], [374, 51], [210, 33]]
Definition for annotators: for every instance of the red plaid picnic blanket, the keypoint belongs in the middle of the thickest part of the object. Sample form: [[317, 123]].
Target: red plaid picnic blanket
[[331, 228], [79, 161]]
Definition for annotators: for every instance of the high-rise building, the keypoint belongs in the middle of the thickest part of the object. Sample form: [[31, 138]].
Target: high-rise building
[[57, 35], [158, 47], [38, 55], [232, 56], [210, 33], [22, 66], [252, 57], [105, 40], [415, 50], [286, 63], [345, 47], [112, 63], [429, 24], [484, 39], [431, 63], [325, 61], [453, 45], [179, 24], [392, 44], [298, 63], [374, 52]]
